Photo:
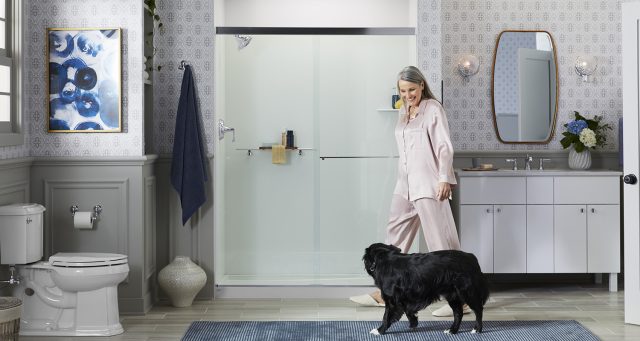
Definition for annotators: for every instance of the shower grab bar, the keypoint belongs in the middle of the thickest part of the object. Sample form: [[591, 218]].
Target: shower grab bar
[[358, 157]]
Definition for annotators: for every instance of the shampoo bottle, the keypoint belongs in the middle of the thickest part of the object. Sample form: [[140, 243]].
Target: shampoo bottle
[[395, 99]]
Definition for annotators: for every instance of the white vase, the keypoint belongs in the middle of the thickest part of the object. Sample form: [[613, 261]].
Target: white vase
[[182, 279], [579, 160]]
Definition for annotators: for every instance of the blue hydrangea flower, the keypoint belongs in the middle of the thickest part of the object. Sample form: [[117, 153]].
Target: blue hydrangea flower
[[575, 127]]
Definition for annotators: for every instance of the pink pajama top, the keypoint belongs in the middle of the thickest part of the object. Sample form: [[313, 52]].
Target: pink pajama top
[[425, 150]]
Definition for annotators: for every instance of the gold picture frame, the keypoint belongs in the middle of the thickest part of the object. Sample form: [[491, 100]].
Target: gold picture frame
[[84, 78]]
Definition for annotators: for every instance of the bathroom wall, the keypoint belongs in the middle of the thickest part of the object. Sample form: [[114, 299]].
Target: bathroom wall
[[126, 15], [188, 35], [578, 27]]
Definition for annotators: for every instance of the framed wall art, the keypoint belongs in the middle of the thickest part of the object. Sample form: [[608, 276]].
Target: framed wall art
[[85, 80]]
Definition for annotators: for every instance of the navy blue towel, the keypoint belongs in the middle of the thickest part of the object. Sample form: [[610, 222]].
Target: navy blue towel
[[188, 167]]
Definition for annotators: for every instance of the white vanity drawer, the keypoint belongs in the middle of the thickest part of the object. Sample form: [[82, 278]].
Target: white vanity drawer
[[493, 190], [586, 190], [539, 190]]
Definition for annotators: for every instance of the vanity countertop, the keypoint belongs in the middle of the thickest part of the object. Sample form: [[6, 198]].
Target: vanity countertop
[[535, 172]]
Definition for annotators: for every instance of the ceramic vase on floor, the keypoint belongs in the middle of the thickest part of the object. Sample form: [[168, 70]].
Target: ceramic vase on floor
[[182, 279], [579, 160]]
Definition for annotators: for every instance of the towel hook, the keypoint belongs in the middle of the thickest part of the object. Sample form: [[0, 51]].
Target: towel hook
[[183, 63]]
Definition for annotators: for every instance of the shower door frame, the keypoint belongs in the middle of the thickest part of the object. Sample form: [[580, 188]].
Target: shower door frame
[[262, 291]]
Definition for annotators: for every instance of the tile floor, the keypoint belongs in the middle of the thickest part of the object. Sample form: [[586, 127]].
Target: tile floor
[[596, 308]]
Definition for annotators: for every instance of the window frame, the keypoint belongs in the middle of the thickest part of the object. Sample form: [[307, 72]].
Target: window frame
[[11, 134]]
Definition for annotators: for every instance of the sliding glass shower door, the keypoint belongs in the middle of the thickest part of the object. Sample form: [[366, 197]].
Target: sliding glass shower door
[[307, 221]]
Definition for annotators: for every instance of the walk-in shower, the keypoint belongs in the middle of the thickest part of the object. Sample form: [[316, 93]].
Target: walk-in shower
[[305, 222]]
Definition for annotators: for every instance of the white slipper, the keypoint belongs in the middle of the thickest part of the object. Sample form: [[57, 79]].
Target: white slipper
[[366, 300], [445, 311]]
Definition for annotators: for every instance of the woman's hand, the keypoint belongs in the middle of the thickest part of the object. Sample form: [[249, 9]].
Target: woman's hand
[[444, 191]]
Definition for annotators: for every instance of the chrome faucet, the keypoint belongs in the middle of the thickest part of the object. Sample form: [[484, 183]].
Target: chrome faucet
[[527, 162], [515, 163]]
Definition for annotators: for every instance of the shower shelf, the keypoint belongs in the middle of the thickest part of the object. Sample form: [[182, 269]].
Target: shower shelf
[[250, 150], [388, 110]]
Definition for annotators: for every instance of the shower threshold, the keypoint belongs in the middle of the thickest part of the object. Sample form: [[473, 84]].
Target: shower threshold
[[300, 286]]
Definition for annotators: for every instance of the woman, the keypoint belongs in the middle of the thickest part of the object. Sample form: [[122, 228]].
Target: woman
[[425, 176]]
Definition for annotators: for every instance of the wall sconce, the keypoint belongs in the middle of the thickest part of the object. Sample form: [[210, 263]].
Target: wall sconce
[[468, 65], [585, 67]]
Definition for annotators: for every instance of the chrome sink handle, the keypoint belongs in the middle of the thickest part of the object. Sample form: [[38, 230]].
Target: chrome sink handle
[[515, 163], [542, 163], [224, 129]]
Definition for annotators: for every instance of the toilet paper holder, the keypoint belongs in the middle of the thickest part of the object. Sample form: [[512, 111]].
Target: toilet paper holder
[[97, 209]]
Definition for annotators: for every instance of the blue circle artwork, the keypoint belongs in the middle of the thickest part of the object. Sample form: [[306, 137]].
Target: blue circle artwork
[[84, 72], [88, 126], [88, 104], [58, 125], [86, 78]]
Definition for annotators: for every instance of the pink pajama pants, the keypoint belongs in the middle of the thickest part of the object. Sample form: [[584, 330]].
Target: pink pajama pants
[[435, 217]]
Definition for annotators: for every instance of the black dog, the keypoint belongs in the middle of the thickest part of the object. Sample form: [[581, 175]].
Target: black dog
[[410, 282]]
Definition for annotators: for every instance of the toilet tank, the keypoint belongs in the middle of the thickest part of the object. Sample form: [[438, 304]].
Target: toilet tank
[[21, 233]]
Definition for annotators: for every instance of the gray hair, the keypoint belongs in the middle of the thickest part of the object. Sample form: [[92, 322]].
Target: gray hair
[[412, 74]]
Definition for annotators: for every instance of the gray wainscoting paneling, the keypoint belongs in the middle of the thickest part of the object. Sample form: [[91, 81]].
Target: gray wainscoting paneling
[[14, 180], [14, 188], [125, 187]]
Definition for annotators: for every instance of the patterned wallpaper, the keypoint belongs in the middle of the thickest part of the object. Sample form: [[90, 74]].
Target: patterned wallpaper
[[446, 30], [84, 14], [189, 35], [578, 27]]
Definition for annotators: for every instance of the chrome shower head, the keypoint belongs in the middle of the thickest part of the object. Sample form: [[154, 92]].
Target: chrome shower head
[[242, 41]]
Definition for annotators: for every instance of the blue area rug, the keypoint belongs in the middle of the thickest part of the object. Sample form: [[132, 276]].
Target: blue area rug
[[359, 330]]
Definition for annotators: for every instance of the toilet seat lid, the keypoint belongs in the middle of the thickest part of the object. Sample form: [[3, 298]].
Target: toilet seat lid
[[86, 259]]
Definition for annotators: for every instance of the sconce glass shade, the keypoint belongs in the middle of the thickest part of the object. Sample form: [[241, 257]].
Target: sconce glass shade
[[585, 67], [468, 65]]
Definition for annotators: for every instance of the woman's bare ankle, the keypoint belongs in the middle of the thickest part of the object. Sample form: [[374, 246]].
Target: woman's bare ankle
[[377, 296]]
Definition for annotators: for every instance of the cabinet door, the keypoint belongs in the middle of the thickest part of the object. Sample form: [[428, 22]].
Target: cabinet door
[[570, 238], [509, 239], [476, 233], [540, 238], [603, 238]]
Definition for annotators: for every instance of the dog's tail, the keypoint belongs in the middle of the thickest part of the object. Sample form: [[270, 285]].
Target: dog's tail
[[482, 287]]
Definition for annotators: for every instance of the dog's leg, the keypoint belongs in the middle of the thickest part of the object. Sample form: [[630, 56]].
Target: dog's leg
[[456, 306], [477, 310], [392, 313], [413, 318]]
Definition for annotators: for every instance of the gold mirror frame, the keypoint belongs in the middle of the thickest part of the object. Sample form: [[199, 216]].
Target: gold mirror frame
[[493, 105]]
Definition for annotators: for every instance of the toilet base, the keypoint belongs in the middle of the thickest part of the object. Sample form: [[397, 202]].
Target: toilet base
[[48, 310]]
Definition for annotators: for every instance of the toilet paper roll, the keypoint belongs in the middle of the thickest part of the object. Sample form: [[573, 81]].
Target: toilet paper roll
[[82, 220]]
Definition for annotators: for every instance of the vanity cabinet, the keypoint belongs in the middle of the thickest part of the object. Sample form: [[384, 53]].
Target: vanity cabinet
[[490, 223], [542, 222]]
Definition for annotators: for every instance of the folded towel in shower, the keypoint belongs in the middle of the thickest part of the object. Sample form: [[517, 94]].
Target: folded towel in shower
[[278, 154], [189, 163]]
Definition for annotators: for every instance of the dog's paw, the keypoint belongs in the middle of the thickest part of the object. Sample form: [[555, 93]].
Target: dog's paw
[[473, 331], [374, 331]]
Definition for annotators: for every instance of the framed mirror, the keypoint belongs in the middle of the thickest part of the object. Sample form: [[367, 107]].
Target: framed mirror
[[524, 87]]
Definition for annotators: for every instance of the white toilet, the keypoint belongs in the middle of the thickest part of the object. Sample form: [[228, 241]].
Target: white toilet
[[71, 294]]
